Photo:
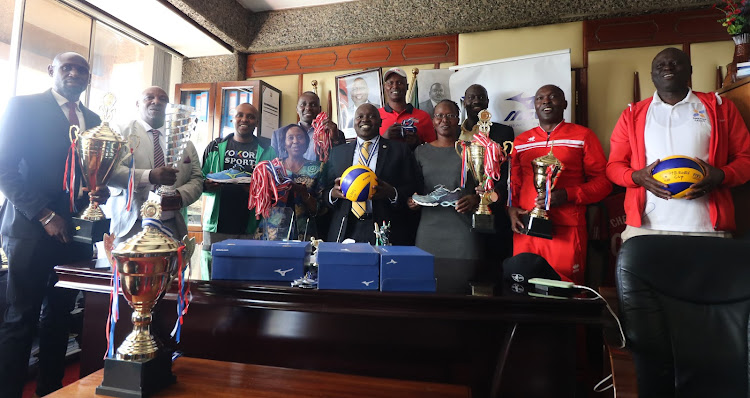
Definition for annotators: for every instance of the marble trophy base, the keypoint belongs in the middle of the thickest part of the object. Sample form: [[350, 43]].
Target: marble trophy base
[[136, 379], [484, 223], [537, 226], [88, 231]]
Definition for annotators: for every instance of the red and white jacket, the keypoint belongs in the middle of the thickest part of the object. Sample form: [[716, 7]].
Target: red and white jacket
[[729, 150], [583, 176]]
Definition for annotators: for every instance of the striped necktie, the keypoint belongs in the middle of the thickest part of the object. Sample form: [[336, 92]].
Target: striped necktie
[[158, 152], [358, 208]]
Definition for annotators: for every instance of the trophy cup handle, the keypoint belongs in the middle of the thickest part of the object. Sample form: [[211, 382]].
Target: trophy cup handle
[[73, 133], [109, 245], [457, 146], [189, 246], [508, 147]]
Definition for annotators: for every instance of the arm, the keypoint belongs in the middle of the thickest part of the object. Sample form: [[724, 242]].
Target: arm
[[192, 190], [515, 177], [13, 148], [737, 169], [619, 168], [596, 187]]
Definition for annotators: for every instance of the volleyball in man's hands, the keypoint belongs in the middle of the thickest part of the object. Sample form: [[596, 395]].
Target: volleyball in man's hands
[[358, 183], [679, 173]]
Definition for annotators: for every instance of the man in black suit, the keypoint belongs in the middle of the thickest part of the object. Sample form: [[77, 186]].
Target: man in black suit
[[36, 223], [395, 168]]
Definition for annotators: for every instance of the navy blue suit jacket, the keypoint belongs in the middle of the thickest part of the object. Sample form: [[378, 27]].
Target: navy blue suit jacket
[[34, 143]]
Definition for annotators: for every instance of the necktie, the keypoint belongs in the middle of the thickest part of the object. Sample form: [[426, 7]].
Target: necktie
[[158, 153], [358, 208], [72, 116]]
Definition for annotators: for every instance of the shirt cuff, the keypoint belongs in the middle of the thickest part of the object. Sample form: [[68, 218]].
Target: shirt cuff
[[144, 181], [331, 200]]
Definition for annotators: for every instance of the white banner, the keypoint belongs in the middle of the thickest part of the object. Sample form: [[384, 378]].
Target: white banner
[[512, 83]]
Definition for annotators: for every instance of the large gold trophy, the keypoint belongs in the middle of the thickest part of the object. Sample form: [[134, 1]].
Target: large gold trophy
[[98, 152], [146, 263], [547, 169], [482, 220]]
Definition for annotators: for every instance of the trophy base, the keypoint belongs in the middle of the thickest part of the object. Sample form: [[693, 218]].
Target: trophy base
[[136, 379], [538, 227], [87, 231], [171, 202], [484, 223]]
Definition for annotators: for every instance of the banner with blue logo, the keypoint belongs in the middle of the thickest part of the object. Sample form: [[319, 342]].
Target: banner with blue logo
[[511, 84]]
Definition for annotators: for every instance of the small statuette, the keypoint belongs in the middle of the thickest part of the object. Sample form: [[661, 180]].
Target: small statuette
[[151, 209], [108, 107], [484, 122]]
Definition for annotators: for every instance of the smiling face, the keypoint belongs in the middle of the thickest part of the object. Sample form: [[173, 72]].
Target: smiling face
[[367, 121], [296, 141], [308, 107], [445, 120], [152, 105], [395, 88], [550, 104], [70, 75], [475, 100], [671, 70], [245, 120], [359, 91]]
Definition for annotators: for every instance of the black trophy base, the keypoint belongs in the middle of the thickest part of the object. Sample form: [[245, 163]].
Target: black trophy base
[[171, 202], [136, 379], [87, 231], [484, 223], [535, 226]]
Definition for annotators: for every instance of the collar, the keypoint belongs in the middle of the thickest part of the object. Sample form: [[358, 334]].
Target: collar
[[147, 127], [553, 129], [374, 140], [62, 100], [409, 108], [690, 98]]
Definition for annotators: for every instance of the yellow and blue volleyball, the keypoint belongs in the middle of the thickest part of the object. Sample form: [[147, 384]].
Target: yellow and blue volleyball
[[679, 173], [358, 183]]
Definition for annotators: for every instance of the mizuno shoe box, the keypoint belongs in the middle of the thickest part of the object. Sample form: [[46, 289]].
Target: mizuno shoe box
[[258, 260], [353, 266], [406, 269]]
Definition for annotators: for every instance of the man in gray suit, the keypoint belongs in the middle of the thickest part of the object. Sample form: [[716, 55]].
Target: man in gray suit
[[150, 171]]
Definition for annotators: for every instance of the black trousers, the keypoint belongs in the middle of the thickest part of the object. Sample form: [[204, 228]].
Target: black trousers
[[31, 281]]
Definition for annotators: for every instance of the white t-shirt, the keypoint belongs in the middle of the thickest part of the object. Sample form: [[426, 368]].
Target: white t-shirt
[[680, 129]]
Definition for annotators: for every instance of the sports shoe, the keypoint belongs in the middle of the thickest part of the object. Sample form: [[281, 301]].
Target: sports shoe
[[440, 196], [235, 175]]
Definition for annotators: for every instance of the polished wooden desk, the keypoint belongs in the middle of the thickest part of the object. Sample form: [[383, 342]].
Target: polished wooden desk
[[214, 379], [514, 346]]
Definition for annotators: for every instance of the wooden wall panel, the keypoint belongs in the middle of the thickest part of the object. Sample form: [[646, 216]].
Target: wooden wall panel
[[438, 49], [652, 30]]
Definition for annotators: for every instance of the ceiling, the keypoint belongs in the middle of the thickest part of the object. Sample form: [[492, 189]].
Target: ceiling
[[157, 21], [271, 5]]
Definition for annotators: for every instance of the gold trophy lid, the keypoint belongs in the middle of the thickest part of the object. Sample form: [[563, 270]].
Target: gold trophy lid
[[151, 240], [547, 160], [103, 131]]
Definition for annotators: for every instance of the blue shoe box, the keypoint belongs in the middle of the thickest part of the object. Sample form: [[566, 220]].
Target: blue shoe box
[[406, 269], [258, 260], [353, 266]]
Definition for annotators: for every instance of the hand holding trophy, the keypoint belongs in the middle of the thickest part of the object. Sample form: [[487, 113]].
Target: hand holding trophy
[[98, 152]]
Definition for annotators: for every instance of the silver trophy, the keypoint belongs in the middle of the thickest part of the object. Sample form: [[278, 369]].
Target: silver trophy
[[179, 124]]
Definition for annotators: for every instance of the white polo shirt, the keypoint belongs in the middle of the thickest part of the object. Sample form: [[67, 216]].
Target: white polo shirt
[[680, 129]]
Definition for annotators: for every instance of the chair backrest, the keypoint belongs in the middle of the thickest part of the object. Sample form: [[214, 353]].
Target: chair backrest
[[684, 304]]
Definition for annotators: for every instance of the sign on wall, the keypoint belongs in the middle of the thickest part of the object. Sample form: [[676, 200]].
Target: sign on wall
[[511, 84]]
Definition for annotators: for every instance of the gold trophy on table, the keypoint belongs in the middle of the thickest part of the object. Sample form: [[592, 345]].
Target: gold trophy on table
[[547, 169], [98, 153], [146, 264], [483, 220]]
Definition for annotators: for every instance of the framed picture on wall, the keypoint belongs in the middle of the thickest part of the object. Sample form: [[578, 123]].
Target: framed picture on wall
[[355, 89]]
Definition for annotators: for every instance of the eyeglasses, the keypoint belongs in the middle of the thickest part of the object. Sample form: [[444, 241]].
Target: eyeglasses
[[447, 116]]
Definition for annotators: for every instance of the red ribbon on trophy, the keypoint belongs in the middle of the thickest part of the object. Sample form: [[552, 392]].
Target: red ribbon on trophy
[[493, 157], [269, 182]]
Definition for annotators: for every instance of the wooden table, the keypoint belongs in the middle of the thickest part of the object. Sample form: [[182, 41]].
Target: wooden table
[[206, 378], [509, 346]]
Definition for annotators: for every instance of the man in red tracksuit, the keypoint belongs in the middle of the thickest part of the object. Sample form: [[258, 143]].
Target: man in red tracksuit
[[582, 182], [679, 121]]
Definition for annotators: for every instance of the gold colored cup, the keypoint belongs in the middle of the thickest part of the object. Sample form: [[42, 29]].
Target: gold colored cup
[[540, 166]]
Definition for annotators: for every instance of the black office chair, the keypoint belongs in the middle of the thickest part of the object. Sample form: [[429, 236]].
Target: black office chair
[[684, 304]]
